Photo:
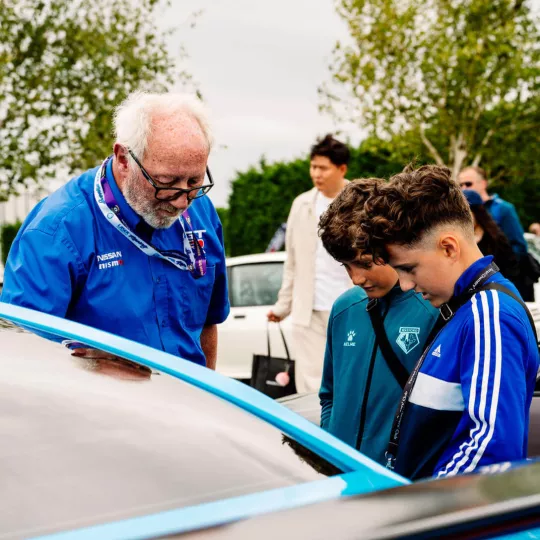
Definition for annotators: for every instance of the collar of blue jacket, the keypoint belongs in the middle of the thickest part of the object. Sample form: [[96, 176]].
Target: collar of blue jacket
[[467, 277]]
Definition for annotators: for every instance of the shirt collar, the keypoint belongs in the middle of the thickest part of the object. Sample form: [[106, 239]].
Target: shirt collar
[[492, 199], [396, 295], [468, 276], [135, 222]]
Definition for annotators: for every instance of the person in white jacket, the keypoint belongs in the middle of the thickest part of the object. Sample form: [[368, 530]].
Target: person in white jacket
[[312, 279]]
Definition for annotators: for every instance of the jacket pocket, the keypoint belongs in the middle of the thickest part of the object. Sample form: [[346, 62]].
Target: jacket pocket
[[200, 292]]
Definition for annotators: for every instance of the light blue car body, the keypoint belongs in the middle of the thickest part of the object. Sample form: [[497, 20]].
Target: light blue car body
[[361, 475]]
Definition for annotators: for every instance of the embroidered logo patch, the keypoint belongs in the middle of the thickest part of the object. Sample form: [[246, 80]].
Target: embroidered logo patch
[[437, 352], [350, 339], [408, 339], [108, 260]]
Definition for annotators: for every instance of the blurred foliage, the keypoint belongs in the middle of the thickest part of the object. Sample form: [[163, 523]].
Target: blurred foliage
[[436, 69], [8, 232], [261, 197], [510, 159], [511, 162], [223, 214], [64, 65]]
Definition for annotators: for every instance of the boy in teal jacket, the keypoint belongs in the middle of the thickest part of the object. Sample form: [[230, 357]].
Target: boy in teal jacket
[[359, 393]]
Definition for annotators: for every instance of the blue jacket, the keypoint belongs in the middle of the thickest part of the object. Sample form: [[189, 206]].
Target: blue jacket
[[470, 404], [505, 215], [359, 394], [68, 260]]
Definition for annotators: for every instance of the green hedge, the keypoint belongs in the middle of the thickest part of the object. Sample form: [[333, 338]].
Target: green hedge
[[8, 232]]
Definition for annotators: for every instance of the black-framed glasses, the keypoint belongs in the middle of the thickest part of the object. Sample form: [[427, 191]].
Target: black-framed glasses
[[171, 194]]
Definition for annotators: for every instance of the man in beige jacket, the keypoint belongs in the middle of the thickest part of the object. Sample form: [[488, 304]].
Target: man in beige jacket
[[312, 279]]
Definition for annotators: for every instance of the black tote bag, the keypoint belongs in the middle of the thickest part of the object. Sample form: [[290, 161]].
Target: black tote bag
[[266, 367]]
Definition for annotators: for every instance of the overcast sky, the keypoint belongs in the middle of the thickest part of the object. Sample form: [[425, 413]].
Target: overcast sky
[[258, 65]]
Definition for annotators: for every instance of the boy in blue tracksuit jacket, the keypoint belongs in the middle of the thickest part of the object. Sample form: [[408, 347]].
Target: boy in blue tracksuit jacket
[[467, 402], [475, 387], [359, 392]]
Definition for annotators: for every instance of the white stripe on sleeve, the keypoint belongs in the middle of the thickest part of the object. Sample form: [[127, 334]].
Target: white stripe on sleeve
[[496, 383]]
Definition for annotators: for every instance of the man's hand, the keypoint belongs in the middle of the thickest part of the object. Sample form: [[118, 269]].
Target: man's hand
[[272, 317]]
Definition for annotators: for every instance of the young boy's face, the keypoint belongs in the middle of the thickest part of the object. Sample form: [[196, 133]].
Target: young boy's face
[[377, 280], [427, 271]]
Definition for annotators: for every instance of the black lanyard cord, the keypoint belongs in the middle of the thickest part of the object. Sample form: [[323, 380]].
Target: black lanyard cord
[[372, 304]]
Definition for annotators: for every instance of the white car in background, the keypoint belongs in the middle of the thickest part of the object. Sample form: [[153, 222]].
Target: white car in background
[[254, 283]]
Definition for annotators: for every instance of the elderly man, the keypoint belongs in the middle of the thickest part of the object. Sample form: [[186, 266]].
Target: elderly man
[[503, 212], [133, 246]]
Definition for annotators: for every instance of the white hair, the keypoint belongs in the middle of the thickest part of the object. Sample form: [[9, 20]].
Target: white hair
[[133, 117]]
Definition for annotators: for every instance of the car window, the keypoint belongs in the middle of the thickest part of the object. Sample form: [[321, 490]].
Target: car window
[[255, 284], [92, 441]]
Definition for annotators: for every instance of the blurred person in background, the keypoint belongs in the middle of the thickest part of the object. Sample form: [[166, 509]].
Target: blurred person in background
[[376, 333], [505, 215], [503, 212], [133, 247], [490, 239], [312, 279], [533, 242]]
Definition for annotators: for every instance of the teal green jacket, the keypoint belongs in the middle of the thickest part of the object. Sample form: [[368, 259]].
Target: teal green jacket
[[359, 394]]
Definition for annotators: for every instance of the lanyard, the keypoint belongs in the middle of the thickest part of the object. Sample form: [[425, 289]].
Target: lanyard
[[193, 259], [447, 312]]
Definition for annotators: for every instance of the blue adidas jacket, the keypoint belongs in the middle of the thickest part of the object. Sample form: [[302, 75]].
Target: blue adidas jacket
[[470, 404], [359, 394]]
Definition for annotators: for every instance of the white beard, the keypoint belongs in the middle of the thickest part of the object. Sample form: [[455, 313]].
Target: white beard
[[147, 209]]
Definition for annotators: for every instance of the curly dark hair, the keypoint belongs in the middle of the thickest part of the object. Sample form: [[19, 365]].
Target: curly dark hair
[[368, 214], [340, 227]]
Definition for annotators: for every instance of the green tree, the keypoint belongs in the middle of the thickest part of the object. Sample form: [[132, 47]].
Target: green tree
[[260, 201], [509, 160], [8, 232], [64, 64], [512, 165], [436, 69], [223, 214], [261, 197]]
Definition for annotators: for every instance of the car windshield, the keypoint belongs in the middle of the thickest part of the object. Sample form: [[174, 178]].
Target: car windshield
[[255, 284], [96, 441]]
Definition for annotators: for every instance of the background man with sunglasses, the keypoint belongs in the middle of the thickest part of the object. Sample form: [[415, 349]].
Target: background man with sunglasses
[[133, 246]]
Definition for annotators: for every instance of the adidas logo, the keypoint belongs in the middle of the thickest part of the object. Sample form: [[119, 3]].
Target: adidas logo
[[437, 352]]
